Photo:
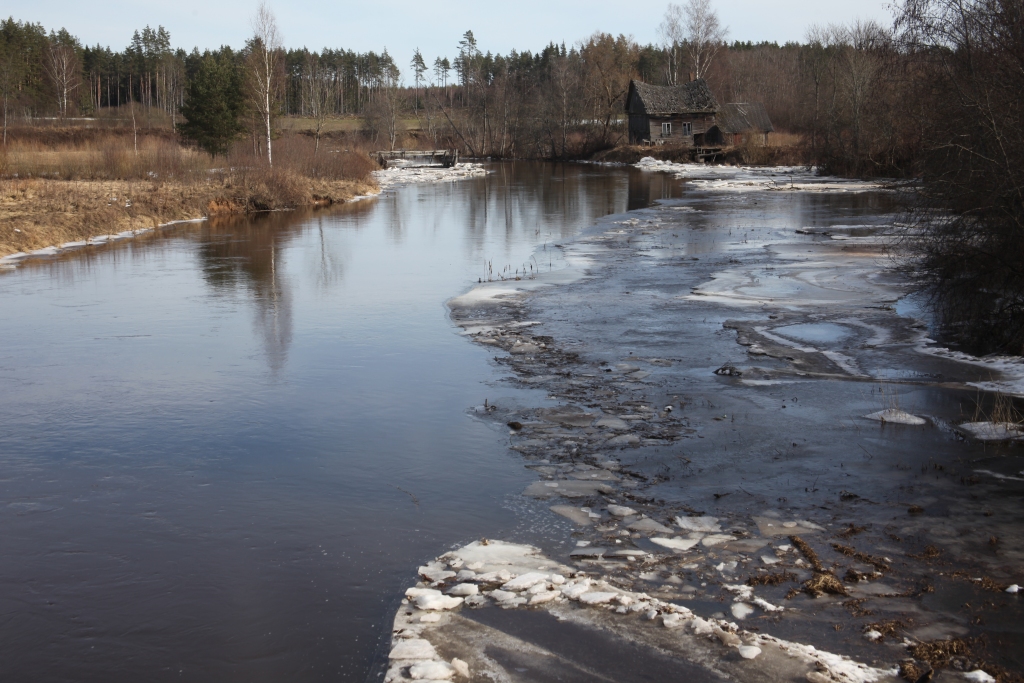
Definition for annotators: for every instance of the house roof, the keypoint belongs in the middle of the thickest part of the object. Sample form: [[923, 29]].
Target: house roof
[[740, 117], [689, 98]]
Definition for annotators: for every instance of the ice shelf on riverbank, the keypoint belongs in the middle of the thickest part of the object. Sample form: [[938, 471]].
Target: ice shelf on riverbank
[[403, 175], [713, 370], [757, 178], [451, 642]]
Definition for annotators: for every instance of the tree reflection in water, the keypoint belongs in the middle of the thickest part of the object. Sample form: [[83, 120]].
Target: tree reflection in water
[[244, 252]]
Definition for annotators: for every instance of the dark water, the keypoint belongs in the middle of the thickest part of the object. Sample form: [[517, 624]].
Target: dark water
[[225, 449]]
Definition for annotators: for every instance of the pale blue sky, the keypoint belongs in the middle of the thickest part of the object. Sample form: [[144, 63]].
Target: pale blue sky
[[402, 25]]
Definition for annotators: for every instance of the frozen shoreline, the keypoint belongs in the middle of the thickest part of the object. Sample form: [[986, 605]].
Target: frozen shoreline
[[820, 313]]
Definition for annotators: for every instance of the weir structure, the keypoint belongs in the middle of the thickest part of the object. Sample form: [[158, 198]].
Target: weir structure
[[434, 157]]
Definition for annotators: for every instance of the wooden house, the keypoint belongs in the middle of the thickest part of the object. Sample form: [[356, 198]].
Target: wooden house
[[678, 115], [735, 121]]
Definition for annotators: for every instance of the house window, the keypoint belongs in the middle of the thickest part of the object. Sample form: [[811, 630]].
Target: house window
[[687, 128], [666, 130]]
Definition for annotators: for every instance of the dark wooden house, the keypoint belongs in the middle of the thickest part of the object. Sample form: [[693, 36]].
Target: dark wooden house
[[678, 115], [735, 121]]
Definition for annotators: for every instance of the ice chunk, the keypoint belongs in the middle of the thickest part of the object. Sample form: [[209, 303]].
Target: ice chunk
[[543, 596], [581, 517], [464, 589], [574, 590], [767, 606], [437, 602], [431, 671], [742, 591], [992, 431], [672, 620], [649, 526], [979, 676], [676, 543], [1013, 588], [436, 573], [704, 524], [749, 651], [701, 627], [621, 510], [502, 596], [895, 416], [770, 559], [525, 581], [413, 648], [716, 539], [465, 575], [872, 635], [741, 610], [597, 598], [461, 667]]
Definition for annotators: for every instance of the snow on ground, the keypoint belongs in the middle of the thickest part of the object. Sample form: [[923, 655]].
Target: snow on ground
[[757, 178]]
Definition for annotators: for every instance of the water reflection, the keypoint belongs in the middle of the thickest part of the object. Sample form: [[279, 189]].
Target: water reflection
[[173, 510], [240, 252]]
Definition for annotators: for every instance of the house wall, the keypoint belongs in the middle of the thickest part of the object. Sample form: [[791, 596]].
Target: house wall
[[648, 128]]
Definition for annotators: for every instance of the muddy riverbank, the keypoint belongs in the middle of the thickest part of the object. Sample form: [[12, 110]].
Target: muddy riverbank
[[763, 456]]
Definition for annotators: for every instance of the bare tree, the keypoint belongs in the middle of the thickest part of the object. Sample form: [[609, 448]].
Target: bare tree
[[263, 67], [704, 34], [670, 30], [62, 68], [320, 86], [8, 82]]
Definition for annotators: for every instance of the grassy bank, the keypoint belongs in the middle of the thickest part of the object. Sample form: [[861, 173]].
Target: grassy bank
[[67, 185]]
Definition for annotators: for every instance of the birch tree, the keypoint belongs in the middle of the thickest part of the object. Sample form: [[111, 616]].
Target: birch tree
[[671, 32], [704, 35], [263, 67], [62, 68], [319, 93]]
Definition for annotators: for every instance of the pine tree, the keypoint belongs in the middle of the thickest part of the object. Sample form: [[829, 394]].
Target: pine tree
[[214, 104]]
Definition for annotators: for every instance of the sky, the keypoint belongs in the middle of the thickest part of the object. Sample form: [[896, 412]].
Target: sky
[[434, 27]]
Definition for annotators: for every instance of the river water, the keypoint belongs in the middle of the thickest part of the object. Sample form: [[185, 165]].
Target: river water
[[225, 448]]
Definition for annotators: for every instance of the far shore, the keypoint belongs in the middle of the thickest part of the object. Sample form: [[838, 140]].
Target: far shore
[[39, 213]]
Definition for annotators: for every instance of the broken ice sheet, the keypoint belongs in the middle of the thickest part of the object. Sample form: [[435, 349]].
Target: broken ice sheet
[[679, 544], [702, 524], [992, 431]]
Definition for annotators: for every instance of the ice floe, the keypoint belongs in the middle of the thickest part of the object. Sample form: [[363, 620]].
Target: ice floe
[[992, 431], [756, 178], [896, 416]]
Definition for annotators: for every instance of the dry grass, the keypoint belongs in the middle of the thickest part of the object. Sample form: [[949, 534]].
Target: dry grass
[[69, 186]]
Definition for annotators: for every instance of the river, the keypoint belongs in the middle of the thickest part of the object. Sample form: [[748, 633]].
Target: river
[[225, 447]]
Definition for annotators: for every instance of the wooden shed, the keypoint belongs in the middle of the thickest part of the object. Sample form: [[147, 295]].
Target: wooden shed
[[736, 120], [678, 115]]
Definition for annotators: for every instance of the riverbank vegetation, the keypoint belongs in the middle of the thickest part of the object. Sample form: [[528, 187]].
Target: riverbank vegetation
[[66, 185]]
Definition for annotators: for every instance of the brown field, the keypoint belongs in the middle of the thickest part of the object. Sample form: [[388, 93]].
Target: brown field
[[64, 185]]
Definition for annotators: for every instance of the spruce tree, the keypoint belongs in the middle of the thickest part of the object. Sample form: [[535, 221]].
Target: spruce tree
[[214, 102]]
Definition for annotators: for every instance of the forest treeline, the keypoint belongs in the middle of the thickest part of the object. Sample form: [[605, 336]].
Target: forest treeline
[[839, 90]]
